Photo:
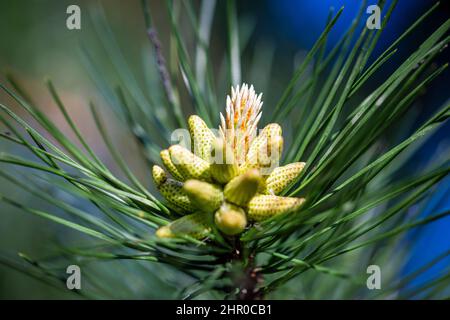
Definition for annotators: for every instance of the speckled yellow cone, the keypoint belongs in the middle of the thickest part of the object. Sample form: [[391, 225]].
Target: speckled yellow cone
[[267, 155], [262, 207], [172, 190], [189, 165], [205, 196], [165, 157], [270, 155], [230, 219], [265, 150], [272, 130], [224, 166], [196, 225], [243, 187], [201, 136], [159, 175], [282, 177]]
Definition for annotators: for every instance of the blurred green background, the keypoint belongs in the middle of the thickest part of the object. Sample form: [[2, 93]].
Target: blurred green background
[[37, 45]]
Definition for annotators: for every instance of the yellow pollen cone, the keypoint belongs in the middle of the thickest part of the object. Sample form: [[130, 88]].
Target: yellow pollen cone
[[262, 207], [282, 177], [265, 150], [196, 225], [230, 219], [173, 192], [159, 176], [243, 187], [205, 196], [269, 155], [272, 130], [165, 157], [224, 166], [201, 136], [189, 165]]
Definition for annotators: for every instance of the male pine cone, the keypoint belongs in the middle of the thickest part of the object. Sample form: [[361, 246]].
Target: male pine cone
[[227, 181]]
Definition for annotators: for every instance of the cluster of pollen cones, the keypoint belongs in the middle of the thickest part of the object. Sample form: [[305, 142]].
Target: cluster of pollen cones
[[230, 180]]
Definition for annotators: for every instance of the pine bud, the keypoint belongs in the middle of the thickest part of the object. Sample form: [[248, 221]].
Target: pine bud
[[243, 187], [159, 176], [165, 157], [272, 130], [224, 166], [196, 225], [281, 177], [173, 192], [265, 150], [269, 157], [230, 219], [201, 136], [262, 207], [189, 165], [205, 196]]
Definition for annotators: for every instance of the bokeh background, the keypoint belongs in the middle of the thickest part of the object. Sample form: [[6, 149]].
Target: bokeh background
[[35, 44]]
